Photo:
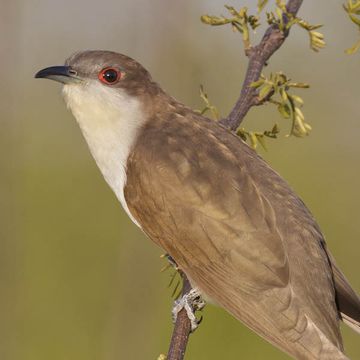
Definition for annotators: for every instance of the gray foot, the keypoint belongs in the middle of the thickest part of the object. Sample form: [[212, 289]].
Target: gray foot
[[191, 302]]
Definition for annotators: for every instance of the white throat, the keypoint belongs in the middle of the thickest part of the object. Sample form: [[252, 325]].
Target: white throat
[[110, 121]]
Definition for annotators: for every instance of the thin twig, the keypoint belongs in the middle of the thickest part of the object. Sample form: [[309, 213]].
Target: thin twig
[[182, 328], [258, 56]]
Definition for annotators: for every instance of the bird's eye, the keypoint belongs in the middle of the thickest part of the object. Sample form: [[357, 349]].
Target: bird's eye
[[109, 76]]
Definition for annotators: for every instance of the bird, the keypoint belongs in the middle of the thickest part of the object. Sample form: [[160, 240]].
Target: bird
[[231, 223]]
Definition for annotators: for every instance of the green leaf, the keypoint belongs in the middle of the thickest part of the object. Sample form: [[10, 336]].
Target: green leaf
[[265, 91], [242, 133], [300, 127], [260, 138], [353, 10], [232, 10], [257, 84], [284, 111], [284, 95], [299, 85], [354, 19], [297, 99], [253, 140], [208, 106], [274, 132], [214, 20], [261, 4], [353, 49]]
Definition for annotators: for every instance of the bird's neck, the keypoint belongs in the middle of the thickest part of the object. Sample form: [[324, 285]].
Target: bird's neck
[[110, 122]]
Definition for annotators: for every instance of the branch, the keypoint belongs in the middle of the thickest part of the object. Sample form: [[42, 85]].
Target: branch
[[258, 56], [182, 328]]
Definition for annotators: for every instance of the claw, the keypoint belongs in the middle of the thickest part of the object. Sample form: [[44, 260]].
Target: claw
[[191, 302]]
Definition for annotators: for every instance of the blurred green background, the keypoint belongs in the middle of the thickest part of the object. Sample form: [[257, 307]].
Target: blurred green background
[[77, 279]]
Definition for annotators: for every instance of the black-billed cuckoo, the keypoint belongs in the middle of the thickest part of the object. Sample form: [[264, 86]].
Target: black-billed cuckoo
[[232, 224]]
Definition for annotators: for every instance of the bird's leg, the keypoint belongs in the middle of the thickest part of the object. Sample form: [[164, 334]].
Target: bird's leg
[[191, 302]]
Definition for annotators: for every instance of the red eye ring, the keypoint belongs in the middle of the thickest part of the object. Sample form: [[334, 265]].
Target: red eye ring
[[109, 75]]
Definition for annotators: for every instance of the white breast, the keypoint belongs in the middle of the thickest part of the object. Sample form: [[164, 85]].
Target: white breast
[[110, 121]]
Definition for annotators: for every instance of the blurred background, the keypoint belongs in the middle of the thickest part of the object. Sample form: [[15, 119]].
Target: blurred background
[[77, 279]]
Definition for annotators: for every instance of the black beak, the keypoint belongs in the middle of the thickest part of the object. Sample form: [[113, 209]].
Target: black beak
[[63, 74]]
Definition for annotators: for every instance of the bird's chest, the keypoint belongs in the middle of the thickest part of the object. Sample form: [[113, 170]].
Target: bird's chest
[[110, 130], [111, 156]]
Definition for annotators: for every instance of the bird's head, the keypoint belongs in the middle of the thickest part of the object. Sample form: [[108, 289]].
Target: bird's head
[[102, 80], [112, 98], [102, 88], [104, 69]]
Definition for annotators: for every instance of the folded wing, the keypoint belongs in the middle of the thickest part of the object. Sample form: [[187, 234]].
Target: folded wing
[[238, 231]]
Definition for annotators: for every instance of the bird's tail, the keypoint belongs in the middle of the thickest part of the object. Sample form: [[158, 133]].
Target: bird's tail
[[347, 300]]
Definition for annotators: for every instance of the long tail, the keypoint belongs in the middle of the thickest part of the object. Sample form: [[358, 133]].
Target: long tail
[[347, 300]]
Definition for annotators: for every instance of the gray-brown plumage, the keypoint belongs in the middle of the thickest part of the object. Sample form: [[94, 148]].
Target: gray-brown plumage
[[231, 223], [236, 229]]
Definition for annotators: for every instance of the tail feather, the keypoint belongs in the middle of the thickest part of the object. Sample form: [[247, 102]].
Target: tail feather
[[347, 300], [353, 324]]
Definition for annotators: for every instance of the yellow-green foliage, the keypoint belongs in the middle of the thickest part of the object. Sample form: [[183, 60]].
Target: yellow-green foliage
[[239, 20], [352, 8], [274, 89]]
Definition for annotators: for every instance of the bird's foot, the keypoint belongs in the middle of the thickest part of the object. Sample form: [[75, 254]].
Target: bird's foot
[[191, 302]]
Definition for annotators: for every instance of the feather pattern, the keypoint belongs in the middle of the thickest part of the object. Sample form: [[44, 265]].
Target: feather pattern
[[231, 223], [237, 230]]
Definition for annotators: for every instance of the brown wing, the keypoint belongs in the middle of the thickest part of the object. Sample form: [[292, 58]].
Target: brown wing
[[347, 299], [237, 230]]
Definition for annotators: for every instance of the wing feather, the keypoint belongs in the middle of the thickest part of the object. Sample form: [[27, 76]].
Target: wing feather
[[237, 230]]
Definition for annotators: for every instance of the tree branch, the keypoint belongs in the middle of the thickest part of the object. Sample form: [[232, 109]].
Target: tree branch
[[182, 328], [258, 56]]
